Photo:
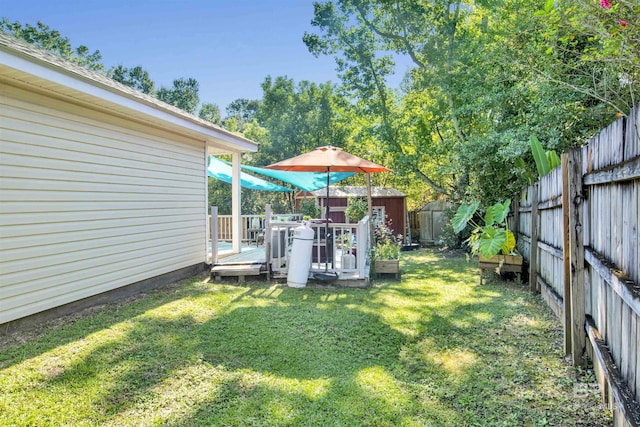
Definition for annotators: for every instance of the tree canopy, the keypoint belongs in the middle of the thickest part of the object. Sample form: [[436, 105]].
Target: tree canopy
[[486, 76], [51, 40]]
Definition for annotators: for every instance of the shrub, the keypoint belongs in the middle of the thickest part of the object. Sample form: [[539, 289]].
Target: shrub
[[357, 209], [309, 208], [387, 244]]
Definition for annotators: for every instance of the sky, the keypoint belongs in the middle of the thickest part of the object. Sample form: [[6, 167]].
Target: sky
[[228, 46]]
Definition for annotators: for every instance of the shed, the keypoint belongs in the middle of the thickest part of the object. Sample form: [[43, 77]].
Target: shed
[[387, 202], [429, 221], [103, 188]]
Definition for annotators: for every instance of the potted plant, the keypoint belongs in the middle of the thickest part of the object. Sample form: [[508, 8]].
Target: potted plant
[[386, 253], [490, 238]]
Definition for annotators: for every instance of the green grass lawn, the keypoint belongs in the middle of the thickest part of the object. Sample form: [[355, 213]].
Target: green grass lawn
[[434, 349]]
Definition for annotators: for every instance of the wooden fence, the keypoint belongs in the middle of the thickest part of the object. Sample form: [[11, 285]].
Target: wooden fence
[[578, 230]]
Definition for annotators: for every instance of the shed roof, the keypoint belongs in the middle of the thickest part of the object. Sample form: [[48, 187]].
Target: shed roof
[[436, 205], [26, 65], [358, 191]]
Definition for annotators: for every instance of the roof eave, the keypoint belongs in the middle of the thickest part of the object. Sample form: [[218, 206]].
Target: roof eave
[[120, 97]]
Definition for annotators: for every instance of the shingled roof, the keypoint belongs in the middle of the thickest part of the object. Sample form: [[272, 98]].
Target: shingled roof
[[358, 191], [16, 47]]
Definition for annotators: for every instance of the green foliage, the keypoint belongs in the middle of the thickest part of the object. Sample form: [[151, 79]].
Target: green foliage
[[356, 209], [51, 40], [480, 86], [386, 250], [183, 94], [387, 244], [595, 48], [492, 235], [298, 118], [546, 161], [242, 111], [135, 77], [540, 157], [463, 215], [309, 208], [211, 113], [554, 159]]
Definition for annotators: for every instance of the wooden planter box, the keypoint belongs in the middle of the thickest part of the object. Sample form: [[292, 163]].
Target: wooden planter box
[[501, 264], [387, 266]]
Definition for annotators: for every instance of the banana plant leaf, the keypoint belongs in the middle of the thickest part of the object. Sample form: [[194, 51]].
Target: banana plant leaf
[[539, 156], [554, 159]]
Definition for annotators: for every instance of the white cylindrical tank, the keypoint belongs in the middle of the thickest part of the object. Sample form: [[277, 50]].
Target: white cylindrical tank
[[300, 260]]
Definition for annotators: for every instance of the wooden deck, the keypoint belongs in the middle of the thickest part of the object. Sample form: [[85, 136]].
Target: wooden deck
[[251, 261], [248, 254]]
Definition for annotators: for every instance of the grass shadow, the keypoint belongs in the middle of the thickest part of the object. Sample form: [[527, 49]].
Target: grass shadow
[[435, 349]]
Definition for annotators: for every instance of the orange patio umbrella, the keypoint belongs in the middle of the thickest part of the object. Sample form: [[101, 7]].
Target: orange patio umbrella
[[329, 159]]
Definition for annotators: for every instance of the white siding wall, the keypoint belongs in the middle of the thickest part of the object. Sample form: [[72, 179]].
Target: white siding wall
[[90, 203]]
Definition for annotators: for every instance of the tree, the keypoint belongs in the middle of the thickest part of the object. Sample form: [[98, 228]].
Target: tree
[[595, 47], [51, 40], [481, 86], [242, 111], [211, 113], [298, 118], [351, 36], [135, 77], [183, 94]]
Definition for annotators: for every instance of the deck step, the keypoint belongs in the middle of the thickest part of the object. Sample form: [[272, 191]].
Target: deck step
[[236, 270]]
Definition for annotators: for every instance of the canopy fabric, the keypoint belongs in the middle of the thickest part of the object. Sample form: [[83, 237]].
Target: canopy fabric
[[328, 159], [307, 181], [222, 171]]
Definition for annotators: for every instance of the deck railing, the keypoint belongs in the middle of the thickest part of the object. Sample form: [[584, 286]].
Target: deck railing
[[349, 248], [348, 254], [251, 225]]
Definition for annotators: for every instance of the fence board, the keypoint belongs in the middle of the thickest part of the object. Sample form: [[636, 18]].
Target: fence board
[[533, 248], [600, 192], [633, 231], [625, 345], [632, 139], [616, 327], [633, 354], [637, 370]]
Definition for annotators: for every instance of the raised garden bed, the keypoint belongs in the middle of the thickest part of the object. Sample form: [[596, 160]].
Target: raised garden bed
[[387, 266], [501, 264]]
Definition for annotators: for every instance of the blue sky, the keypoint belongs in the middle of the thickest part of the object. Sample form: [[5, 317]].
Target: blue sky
[[228, 46]]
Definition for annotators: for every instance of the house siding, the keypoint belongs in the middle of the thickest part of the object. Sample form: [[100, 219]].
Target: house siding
[[90, 202]]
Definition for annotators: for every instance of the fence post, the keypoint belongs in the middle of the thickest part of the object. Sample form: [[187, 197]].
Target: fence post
[[267, 239], [566, 250], [214, 235], [533, 256], [576, 258]]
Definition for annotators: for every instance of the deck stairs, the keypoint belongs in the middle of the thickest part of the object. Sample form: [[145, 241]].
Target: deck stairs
[[240, 270]]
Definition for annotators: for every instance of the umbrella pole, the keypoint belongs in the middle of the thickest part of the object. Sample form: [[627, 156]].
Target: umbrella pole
[[327, 239], [370, 213]]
